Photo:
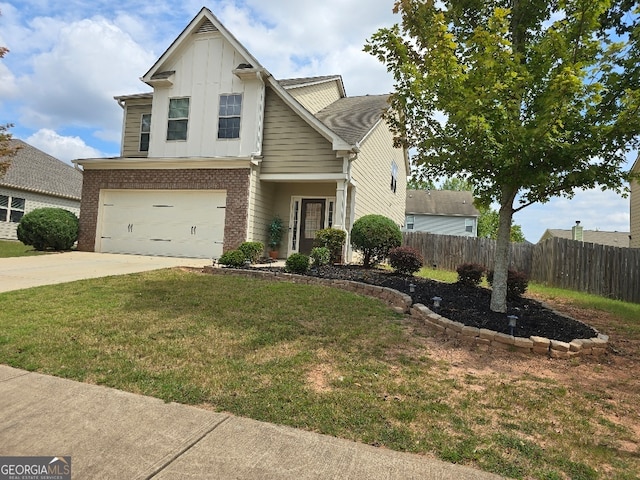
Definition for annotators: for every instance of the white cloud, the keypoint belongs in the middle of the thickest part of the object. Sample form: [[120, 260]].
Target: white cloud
[[63, 148], [73, 83]]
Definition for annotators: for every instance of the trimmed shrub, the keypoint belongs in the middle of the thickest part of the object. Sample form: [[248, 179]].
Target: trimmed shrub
[[320, 256], [406, 260], [297, 263], [252, 250], [470, 274], [48, 228], [373, 236], [232, 258], [333, 239], [517, 283]]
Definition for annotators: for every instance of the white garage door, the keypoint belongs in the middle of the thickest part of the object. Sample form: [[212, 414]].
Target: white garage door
[[176, 223]]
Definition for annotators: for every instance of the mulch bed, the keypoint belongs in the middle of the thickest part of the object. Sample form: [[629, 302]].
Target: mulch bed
[[468, 305]]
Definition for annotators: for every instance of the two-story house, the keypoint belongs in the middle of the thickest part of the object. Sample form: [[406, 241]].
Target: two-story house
[[442, 212], [220, 147]]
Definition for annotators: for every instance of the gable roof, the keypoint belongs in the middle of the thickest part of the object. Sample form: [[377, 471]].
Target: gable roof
[[352, 118], [612, 239], [441, 202], [35, 171]]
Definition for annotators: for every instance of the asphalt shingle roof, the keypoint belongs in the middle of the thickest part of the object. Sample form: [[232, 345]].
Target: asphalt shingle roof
[[33, 170], [351, 118], [292, 82], [441, 202], [612, 239]]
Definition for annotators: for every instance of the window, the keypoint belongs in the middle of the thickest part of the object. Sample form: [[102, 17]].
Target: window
[[11, 209], [178, 118], [410, 222], [468, 225], [394, 177], [229, 116], [145, 132]]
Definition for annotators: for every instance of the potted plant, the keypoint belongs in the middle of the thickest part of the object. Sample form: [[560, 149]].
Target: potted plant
[[275, 231]]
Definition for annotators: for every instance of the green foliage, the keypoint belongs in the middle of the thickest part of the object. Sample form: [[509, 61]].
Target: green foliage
[[470, 274], [334, 239], [517, 283], [48, 229], [251, 250], [488, 223], [525, 100], [275, 231], [232, 258], [374, 235], [320, 256], [405, 260], [297, 263]]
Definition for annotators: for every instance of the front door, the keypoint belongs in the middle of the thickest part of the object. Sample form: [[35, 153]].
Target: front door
[[311, 220]]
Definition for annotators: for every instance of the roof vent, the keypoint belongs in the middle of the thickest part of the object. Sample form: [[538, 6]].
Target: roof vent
[[207, 27]]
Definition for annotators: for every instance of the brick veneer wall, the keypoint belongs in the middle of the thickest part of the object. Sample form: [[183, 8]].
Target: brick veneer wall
[[234, 181]]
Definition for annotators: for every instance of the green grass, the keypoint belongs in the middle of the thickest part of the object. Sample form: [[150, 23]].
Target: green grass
[[13, 248], [316, 358]]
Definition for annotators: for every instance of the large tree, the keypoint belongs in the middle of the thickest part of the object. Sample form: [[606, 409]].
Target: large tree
[[6, 149], [525, 99]]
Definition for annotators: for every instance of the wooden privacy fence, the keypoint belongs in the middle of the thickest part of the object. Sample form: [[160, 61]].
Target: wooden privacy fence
[[610, 272], [449, 251]]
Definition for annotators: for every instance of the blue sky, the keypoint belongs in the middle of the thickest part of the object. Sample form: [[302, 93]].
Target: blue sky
[[68, 59]]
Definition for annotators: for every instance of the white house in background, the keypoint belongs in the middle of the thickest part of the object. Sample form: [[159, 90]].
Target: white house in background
[[220, 147], [443, 212], [35, 180]]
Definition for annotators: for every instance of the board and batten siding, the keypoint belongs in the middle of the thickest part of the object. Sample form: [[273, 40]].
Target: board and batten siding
[[372, 173], [316, 97], [291, 146], [33, 201], [132, 120], [203, 72], [634, 241]]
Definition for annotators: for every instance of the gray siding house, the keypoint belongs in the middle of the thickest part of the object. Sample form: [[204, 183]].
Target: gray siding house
[[443, 212], [35, 180]]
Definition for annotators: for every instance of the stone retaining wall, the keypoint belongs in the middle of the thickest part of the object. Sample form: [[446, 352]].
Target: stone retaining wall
[[482, 338]]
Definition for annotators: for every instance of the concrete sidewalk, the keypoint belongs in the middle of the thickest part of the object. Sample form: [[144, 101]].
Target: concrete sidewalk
[[25, 272], [111, 434]]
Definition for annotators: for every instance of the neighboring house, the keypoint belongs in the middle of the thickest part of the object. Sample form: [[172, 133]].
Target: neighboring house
[[444, 212], [35, 180], [613, 239], [220, 147], [634, 239]]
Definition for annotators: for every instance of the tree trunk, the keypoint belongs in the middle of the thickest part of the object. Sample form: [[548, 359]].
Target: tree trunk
[[501, 260]]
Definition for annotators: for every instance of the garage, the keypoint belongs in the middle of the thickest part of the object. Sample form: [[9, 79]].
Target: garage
[[172, 223]]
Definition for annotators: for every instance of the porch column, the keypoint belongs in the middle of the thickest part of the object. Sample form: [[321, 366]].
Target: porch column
[[340, 219]]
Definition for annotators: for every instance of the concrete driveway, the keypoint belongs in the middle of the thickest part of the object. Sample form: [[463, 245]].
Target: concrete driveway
[[25, 272]]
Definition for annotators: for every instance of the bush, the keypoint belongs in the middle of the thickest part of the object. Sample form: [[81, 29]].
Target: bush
[[297, 263], [373, 236], [470, 274], [232, 258], [517, 283], [320, 256], [252, 250], [48, 228], [333, 239], [405, 260]]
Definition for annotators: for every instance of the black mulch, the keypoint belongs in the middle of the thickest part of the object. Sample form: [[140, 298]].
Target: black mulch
[[469, 305]]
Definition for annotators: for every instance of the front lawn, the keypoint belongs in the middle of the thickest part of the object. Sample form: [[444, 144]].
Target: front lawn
[[333, 362], [13, 248]]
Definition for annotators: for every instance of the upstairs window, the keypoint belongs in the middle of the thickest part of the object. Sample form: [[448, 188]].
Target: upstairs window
[[11, 209], [410, 222], [178, 118], [394, 177], [145, 132], [229, 116]]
